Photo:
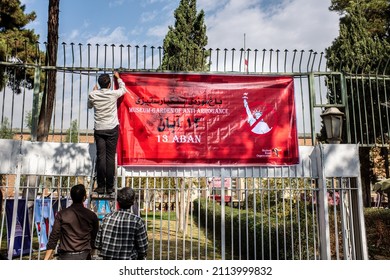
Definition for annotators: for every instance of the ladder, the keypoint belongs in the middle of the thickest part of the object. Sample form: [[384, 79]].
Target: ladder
[[102, 204]]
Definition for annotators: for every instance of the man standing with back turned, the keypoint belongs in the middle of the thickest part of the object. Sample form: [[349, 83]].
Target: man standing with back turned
[[104, 101], [122, 234], [75, 227]]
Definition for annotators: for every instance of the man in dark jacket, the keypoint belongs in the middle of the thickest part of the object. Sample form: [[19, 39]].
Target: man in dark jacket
[[75, 227]]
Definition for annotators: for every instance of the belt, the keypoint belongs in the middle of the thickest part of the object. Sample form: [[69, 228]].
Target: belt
[[72, 253]]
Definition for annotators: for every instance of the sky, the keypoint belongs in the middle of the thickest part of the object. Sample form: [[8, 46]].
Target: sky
[[276, 24]]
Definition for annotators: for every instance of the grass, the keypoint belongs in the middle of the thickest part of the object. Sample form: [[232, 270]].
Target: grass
[[167, 242]]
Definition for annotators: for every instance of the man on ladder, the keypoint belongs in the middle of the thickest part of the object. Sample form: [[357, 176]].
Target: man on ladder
[[106, 130]]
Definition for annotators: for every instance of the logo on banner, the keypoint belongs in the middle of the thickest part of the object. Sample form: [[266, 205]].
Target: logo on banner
[[256, 118]]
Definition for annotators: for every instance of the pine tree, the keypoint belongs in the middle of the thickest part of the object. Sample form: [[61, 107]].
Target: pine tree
[[17, 44], [185, 42], [360, 49], [361, 44]]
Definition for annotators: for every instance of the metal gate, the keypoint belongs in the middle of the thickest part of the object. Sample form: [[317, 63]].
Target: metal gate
[[312, 210]]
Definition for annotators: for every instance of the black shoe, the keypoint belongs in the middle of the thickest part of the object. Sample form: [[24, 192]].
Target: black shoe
[[110, 191], [99, 190]]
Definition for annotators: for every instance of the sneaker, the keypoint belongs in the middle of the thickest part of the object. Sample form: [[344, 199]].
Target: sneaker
[[99, 190], [110, 191]]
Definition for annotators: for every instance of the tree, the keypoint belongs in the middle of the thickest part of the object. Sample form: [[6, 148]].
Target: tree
[[72, 134], [360, 49], [362, 42], [376, 13], [18, 45], [5, 130], [184, 45], [48, 98]]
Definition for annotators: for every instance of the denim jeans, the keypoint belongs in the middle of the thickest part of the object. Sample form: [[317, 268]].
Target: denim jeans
[[106, 142]]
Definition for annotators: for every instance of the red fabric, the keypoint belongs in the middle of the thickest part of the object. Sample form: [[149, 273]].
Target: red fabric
[[187, 119]]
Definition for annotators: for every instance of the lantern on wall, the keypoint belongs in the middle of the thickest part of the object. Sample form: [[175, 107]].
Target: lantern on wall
[[333, 121]]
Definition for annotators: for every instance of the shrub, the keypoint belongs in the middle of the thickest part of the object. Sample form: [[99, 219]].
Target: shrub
[[259, 235]]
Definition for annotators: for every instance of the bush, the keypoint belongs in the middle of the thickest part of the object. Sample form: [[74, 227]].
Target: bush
[[258, 235], [377, 223]]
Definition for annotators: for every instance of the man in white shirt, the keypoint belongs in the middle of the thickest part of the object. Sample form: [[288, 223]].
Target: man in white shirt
[[104, 102]]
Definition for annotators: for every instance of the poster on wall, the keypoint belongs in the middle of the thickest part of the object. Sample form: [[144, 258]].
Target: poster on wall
[[44, 220], [44, 216], [207, 119], [22, 237], [101, 207]]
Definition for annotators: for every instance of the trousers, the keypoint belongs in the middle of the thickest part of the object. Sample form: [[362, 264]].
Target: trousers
[[106, 142]]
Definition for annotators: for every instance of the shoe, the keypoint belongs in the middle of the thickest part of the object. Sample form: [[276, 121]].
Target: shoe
[[110, 191], [99, 190]]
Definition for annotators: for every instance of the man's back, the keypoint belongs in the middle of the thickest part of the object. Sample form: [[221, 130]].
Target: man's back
[[122, 236], [76, 228]]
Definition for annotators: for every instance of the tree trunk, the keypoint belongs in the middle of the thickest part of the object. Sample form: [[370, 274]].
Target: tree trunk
[[46, 112]]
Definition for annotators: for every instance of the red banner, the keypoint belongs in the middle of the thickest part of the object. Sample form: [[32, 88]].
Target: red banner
[[201, 119]]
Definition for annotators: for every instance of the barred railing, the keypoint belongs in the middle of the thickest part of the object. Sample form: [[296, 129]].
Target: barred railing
[[361, 96]]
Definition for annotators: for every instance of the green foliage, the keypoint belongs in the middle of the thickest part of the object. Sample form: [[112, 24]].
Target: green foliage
[[276, 236], [5, 130], [361, 45], [377, 223], [185, 42], [376, 13], [72, 134], [18, 45], [28, 120]]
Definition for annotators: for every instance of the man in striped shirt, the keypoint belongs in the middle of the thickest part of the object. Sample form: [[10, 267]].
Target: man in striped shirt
[[122, 235]]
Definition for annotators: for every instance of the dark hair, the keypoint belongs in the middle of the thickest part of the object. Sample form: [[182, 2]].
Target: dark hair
[[104, 81], [77, 193], [125, 198]]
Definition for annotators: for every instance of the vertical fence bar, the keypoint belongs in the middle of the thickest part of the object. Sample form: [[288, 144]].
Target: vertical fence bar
[[80, 92], [128, 56], [152, 50], [35, 110], [71, 96], [323, 207], [112, 57], [15, 207]]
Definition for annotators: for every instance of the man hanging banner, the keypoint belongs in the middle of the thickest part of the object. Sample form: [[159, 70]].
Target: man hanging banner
[[204, 119]]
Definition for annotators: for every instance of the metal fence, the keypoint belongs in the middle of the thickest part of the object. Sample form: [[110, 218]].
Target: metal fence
[[288, 212], [361, 96], [78, 67]]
